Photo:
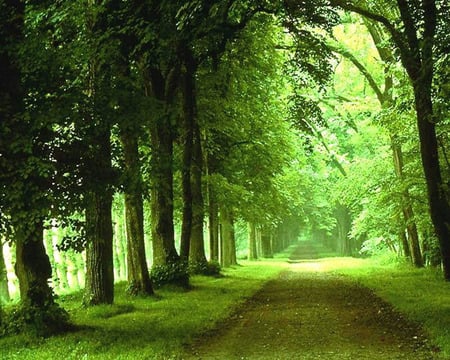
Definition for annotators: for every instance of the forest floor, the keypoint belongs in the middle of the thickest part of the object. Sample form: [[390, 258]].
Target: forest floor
[[308, 313]]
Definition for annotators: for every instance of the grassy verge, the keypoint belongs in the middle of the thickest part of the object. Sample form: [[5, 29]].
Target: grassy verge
[[421, 294], [143, 328]]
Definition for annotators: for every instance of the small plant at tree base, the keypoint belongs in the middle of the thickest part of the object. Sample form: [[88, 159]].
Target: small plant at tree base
[[35, 321], [211, 268], [172, 273]]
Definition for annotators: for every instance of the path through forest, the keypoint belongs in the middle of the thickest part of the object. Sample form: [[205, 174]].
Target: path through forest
[[306, 313]]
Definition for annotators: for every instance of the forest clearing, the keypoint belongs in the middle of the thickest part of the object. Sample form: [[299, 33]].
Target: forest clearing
[[160, 159]]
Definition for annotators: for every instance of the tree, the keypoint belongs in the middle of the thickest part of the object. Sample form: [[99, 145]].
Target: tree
[[415, 42], [385, 98], [26, 166], [4, 291]]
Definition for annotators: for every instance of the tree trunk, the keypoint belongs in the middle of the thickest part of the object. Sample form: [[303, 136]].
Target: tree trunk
[[188, 142], [213, 227], [197, 253], [266, 243], [4, 290], [99, 287], [11, 92], [61, 270], [252, 251], [439, 206], [407, 210], [228, 241], [163, 237], [404, 244], [343, 226], [33, 268], [139, 282], [137, 271]]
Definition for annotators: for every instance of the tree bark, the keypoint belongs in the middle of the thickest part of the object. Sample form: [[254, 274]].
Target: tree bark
[[252, 251], [213, 226], [439, 206], [197, 253], [99, 287], [139, 282], [33, 268], [163, 238], [4, 290], [266, 243], [99, 281], [407, 210], [228, 241], [188, 142]]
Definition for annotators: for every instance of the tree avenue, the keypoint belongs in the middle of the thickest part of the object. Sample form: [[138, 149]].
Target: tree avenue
[[150, 141]]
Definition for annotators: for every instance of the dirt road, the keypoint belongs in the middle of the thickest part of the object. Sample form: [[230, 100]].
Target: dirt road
[[308, 314]]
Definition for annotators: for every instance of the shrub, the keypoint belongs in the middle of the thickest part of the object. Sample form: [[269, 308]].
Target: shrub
[[211, 268], [174, 273], [35, 321]]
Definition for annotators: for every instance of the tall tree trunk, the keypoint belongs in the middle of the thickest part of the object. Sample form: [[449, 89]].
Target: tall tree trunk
[[33, 268], [186, 181], [439, 206], [192, 241], [252, 251], [4, 290], [343, 226], [213, 217], [99, 287], [138, 275], [197, 253], [404, 244], [407, 210], [228, 241], [163, 237], [99, 282], [61, 270], [266, 243]]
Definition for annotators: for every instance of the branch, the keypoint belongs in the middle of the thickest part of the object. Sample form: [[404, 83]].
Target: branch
[[397, 36], [362, 69], [410, 29]]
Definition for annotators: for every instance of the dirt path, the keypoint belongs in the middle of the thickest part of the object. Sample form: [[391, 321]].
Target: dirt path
[[305, 314]]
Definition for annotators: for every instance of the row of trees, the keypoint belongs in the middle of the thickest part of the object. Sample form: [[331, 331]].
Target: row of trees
[[162, 102], [192, 111]]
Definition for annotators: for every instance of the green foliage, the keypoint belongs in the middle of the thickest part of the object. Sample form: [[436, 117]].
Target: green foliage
[[210, 268], [373, 246], [170, 274], [35, 321]]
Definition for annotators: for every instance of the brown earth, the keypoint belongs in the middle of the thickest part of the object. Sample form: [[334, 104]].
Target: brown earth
[[307, 314]]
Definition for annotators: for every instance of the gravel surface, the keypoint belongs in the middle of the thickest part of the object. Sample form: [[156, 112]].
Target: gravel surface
[[307, 314]]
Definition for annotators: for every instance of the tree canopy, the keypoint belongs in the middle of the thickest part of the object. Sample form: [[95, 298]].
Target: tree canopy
[[138, 137]]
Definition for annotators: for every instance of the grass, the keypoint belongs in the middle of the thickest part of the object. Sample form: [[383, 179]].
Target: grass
[[158, 328], [146, 328], [420, 294]]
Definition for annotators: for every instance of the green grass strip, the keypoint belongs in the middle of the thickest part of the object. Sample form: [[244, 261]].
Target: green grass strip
[[147, 328]]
